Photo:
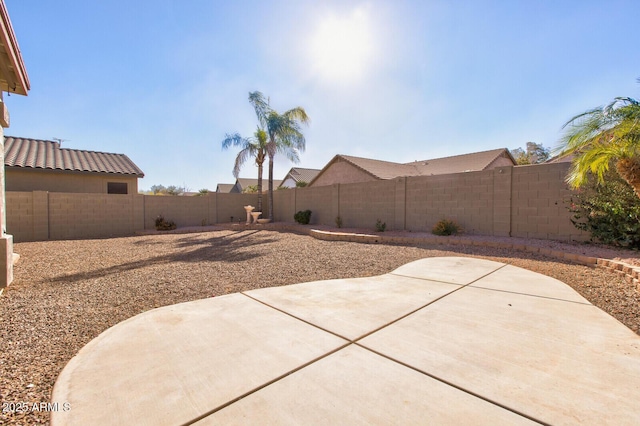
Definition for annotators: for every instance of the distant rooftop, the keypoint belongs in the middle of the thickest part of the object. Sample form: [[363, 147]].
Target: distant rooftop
[[380, 169]]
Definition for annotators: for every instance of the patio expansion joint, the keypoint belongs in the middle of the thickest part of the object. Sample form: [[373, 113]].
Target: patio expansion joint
[[532, 295], [458, 387], [297, 318], [264, 385], [429, 279], [349, 342], [400, 318]]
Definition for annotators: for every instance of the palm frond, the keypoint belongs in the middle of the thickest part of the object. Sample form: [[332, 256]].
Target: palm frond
[[241, 158], [234, 139], [261, 106]]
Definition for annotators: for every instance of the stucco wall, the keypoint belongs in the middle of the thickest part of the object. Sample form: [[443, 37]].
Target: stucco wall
[[58, 181]]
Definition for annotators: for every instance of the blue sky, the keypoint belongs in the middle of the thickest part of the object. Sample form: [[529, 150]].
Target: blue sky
[[163, 81]]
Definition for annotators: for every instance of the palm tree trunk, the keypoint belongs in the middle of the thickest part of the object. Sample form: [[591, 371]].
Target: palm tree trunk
[[629, 170], [271, 187], [259, 187]]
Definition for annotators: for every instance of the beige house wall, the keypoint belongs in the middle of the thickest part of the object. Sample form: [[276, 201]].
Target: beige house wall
[[342, 172], [18, 179], [522, 201]]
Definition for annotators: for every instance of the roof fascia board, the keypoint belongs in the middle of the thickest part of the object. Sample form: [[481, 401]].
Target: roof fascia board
[[11, 48]]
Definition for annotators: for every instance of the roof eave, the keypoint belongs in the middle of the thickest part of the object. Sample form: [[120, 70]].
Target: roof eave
[[14, 78]]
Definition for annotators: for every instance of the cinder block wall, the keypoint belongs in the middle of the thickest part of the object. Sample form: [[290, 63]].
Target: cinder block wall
[[284, 202], [539, 203], [362, 204], [20, 220], [524, 201], [466, 198], [228, 205], [184, 211], [320, 198], [76, 215]]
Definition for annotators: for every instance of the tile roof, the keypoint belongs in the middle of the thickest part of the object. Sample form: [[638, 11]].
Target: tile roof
[[455, 164], [303, 175], [381, 169], [298, 174], [44, 154]]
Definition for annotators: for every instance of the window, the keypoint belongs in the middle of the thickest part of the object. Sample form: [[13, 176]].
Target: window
[[116, 188]]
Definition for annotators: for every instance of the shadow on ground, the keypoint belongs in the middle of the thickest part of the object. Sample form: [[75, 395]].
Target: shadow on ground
[[232, 247]]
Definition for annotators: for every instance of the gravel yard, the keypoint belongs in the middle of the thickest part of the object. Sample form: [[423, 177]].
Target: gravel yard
[[65, 293]]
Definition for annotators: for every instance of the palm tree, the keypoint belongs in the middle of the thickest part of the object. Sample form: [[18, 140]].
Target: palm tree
[[251, 147], [283, 131], [602, 137]]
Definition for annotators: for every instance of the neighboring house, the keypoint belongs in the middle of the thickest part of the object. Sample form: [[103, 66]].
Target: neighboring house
[[566, 158], [42, 165], [243, 183], [298, 174], [348, 169], [224, 188]]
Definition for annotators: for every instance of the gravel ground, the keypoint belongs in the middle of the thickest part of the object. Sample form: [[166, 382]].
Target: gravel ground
[[65, 293]]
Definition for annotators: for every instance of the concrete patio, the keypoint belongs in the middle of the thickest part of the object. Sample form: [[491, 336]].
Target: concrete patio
[[440, 341]]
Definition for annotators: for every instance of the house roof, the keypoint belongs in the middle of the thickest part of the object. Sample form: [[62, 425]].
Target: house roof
[[380, 169], [225, 187], [565, 158], [13, 74], [48, 155], [455, 164], [475, 161], [247, 182], [298, 174]]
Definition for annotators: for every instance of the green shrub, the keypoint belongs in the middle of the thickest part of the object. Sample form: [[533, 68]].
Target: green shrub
[[164, 225], [446, 227], [303, 217], [338, 221], [609, 211], [381, 226]]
